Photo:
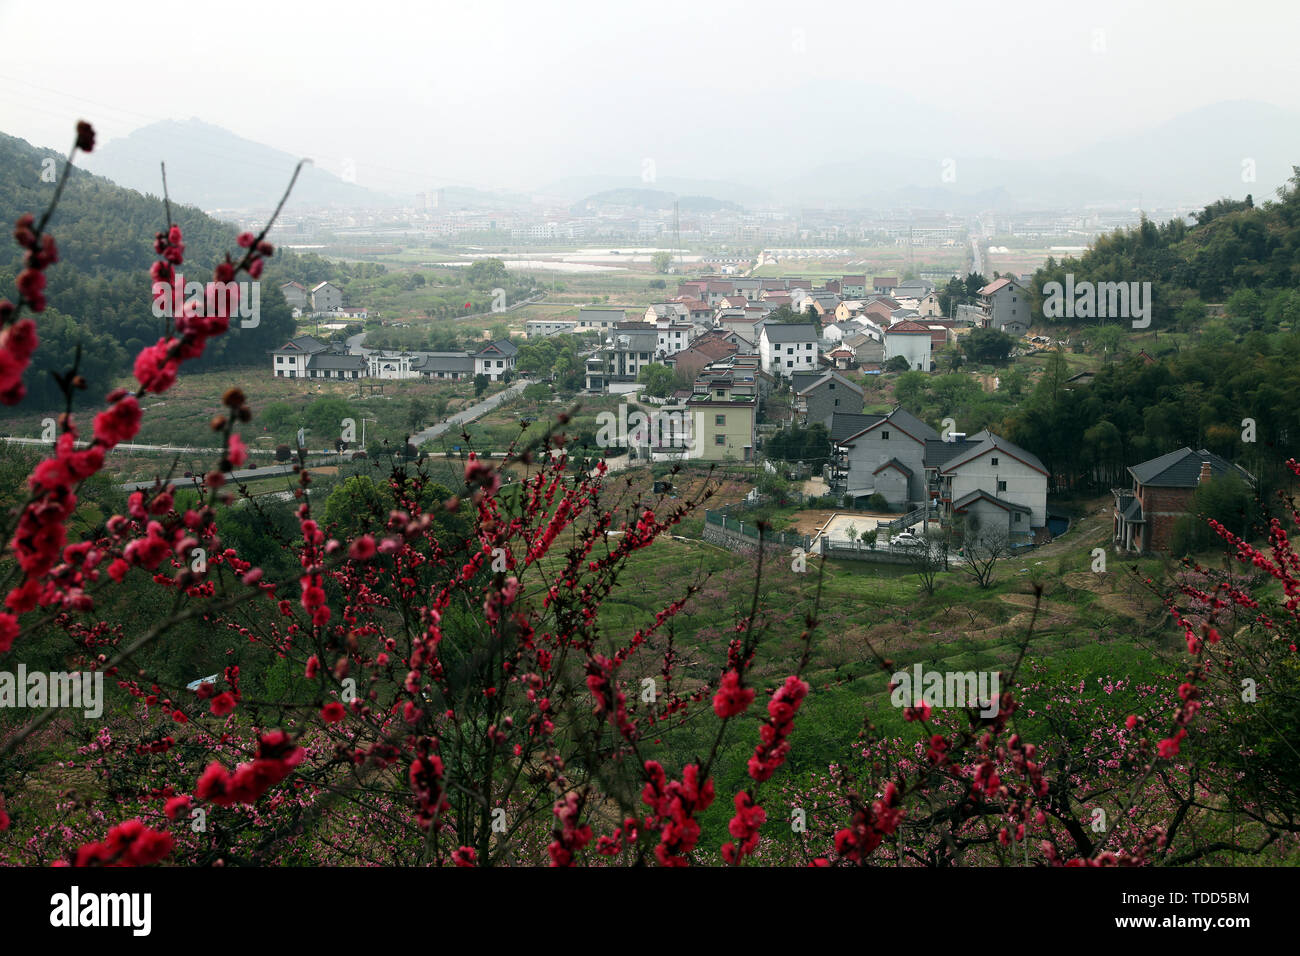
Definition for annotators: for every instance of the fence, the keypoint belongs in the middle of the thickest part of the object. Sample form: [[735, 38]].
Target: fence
[[737, 535], [907, 520]]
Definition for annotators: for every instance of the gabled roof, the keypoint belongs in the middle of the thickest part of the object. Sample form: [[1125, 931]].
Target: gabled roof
[[304, 343], [907, 327], [823, 378], [790, 333], [504, 348], [444, 362], [329, 361], [939, 452], [1130, 508], [1182, 469], [801, 380], [903, 420], [320, 285], [998, 284], [894, 463], [986, 442], [965, 501], [844, 425]]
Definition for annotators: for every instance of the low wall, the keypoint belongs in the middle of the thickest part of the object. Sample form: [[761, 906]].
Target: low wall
[[733, 539], [847, 552]]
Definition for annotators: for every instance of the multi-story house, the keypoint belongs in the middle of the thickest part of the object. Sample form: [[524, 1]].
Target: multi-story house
[[912, 341], [290, 360], [295, 295], [326, 297], [1005, 305], [1145, 515], [723, 410], [601, 319], [853, 287], [621, 359], [996, 488], [886, 456], [786, 349], [496, 359], [818, 396], [541, 328]]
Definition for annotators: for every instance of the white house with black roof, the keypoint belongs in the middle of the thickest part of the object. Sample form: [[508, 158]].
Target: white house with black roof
[[496, 359], [308, 357], [996, 488], [991, 485], [788, 348]]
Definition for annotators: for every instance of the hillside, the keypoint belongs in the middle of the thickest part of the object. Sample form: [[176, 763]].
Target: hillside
[[100, 292]]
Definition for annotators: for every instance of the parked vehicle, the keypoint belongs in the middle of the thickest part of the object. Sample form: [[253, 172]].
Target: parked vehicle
[[906, 540]]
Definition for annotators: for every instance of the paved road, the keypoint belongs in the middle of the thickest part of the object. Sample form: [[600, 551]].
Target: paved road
[[470, 414], [244, 474], [132, 446]]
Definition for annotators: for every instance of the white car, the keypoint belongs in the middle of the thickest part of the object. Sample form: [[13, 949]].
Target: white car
[[906, 540]]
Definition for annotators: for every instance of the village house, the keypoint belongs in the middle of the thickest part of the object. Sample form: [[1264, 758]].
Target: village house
[[853, 287], [912, 288], [1005, 305], [326, 297], [620, 360], [667, 312], [884, 285], [998, 490], [697, 311], [295, 295], [496, 360], [601, 319], [445, 366], [308, 357], [912, 341], [886, 456], [866, 348], [1144, 515], [723, 411], [817, 396], [706, 349], [541, 328], [786, 349], [674, 336]]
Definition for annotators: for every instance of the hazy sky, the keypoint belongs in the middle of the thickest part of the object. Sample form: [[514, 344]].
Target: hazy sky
[[516, 94]]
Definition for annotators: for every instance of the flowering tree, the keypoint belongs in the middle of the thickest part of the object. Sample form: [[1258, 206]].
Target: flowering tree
[[457, 696]]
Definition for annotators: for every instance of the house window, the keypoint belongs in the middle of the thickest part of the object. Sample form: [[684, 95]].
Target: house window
[[719, 419], [884, 436], [1017, 517], [995, 462], [1002, 486], [719, 439], [837, 403]]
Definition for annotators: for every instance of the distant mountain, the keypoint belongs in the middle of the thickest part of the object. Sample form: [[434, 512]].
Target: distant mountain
[[99, 292], [1201, 156], [576, 188], [651, 200], [214, 169], [1194, 158]]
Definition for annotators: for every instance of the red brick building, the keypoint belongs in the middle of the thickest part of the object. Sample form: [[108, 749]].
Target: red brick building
[[1161, 494]]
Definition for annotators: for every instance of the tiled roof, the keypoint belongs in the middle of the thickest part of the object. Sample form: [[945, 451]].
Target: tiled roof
[[962, 503], [1182, 468]]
